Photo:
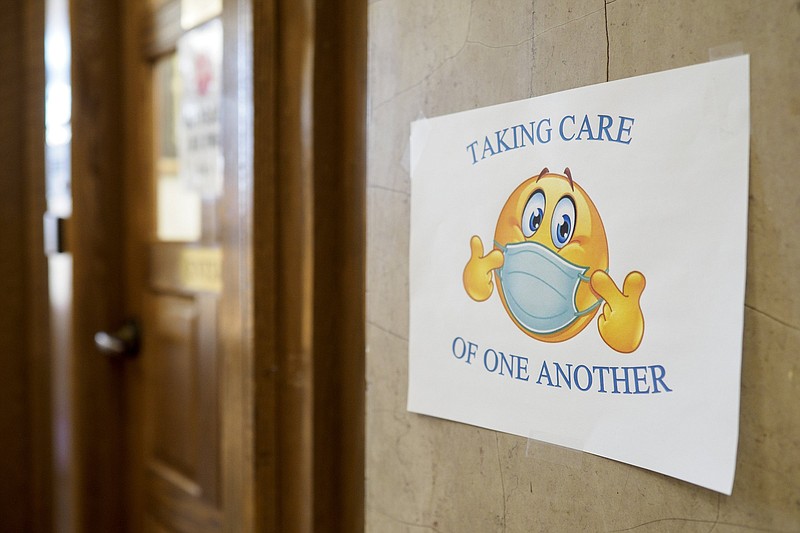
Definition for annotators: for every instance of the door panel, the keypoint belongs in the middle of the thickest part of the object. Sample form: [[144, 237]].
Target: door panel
[[172, 383], [181, 409], [170, 509], [180, 387]]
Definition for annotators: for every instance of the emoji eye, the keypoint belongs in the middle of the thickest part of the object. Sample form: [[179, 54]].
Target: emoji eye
[[533, 214], [563, 224]]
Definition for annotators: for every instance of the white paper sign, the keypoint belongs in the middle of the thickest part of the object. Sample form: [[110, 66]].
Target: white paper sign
[[578, 266], [199, 127], [193, 12]]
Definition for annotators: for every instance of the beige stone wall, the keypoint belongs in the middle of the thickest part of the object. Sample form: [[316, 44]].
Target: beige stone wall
[[431, 57]]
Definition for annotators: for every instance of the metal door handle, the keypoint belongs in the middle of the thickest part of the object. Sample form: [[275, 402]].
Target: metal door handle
[[121, 343]]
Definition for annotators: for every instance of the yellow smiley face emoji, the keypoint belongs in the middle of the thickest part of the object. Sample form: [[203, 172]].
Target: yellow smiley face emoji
[[550, 263]]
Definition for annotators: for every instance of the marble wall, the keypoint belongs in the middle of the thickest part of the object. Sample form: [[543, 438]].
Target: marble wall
[[431, 57]]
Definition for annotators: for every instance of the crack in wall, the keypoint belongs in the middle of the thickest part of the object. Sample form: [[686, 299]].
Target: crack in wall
[[716, 520], [561, 25], [533, 46], [502, 480], [387, 189], [387, 330], [772, 317], [435, 69], [608, 42], [570, 21], [501, 46], [406, 523], [698, 521]]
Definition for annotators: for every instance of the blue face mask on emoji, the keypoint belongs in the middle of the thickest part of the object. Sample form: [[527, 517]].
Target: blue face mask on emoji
[[539, 287]]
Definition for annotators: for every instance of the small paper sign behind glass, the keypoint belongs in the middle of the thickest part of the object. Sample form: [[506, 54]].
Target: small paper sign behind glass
[[577, 268], [194, 12], [200, 125]]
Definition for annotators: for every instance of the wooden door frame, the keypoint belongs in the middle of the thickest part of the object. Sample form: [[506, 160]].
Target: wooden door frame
[[292, 377], [96, 231], [26, 450], [309, 68], [38, 309]]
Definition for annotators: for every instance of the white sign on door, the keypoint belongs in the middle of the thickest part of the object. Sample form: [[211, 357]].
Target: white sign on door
[[199, 127], [194, 12]]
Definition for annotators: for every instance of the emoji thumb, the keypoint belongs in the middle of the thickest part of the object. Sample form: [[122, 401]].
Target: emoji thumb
[[476, 247], [633, 286]]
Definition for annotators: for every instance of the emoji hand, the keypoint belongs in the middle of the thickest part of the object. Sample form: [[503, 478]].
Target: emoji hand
[[478, 272], [621, 323]]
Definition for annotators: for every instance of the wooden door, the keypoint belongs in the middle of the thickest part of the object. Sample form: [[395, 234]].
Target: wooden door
[[161, 438], [176, 256], [178, 385], [244, 409]]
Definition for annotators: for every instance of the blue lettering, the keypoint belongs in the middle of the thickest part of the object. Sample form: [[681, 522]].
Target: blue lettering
[[544, 373], [462, 350], [522, 368], [659, 378], [504, 361], [600, 376], [485, 360], [487, 147], [472, 350], [637, 379], [471, 148], [541, 132], [618, 380], [561, 128], [586, 127], [525, 133], [561, 374], [512, 365], [624, 129], [500, 142], [605, 123], [588, 378], [549, 131]]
